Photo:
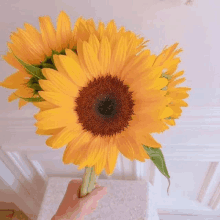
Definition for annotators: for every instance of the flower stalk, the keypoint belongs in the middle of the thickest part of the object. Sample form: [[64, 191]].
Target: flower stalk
[[88, 181]]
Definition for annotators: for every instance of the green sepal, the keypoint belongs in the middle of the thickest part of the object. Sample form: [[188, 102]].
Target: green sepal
[[47, 65], [74, 49], [37, 99], [35, 92], [164, 88], [169, 118], [157, 157], [166, 76], [57, 53], [36, 86], [33, 70]]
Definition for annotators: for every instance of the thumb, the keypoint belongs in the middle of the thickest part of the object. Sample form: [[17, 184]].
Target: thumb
[[98, 192]]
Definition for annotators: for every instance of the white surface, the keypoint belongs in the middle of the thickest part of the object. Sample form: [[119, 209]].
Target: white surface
[[125, 200]]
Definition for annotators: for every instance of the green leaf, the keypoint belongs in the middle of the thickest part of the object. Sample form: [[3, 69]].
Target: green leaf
[[33, 70], [157, 157]]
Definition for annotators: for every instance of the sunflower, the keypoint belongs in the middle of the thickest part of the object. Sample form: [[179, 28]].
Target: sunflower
[[37, 49], [170, 62], [103, 100]]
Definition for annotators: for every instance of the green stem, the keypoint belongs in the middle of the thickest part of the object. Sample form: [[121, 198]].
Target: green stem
[[88, 182]]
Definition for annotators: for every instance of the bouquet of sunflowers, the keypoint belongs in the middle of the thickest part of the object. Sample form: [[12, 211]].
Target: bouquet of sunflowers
[[99, 91]]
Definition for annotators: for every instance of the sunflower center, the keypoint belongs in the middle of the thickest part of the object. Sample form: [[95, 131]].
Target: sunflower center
[[105, 106]]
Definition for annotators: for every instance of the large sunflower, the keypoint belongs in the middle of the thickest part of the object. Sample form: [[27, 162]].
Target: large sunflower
[[37, 49], [103, 100]]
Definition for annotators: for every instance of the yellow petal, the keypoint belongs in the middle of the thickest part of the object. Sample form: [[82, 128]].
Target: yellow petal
[[44, 105], [73, 70], [138, 64], [35, 48], [58, 99], [63, 30], [112, 157], [59, 117], [48, 132], [59, 66], [73, 41], [132, 139], [76, 145], [83, 33], [22, 103], [13, 81], [176, 82], [104, 55], [48, 33], [159, 84], [178, 95], [150, 141], [46, 85], [91, 60], [37, 38], [64, 136], [81, 59], [170, 122], [17, 47], [118, 56], [51, 112], [153, 73], [12, 97], [61, 82], [111, 30], [72, 55], [167, 112], [25, 92], [179, 89], [91, 26], [94, 43], [94, 153], [179, 102], [172, 66], [125, 147], [10, 59], [101, 29], [99, 166], [176, 75], [140, 139]]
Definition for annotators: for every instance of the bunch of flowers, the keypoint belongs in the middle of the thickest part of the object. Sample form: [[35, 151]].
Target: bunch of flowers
[[99, 91]]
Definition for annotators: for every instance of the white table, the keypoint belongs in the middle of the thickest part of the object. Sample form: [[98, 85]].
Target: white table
[[125, 200]]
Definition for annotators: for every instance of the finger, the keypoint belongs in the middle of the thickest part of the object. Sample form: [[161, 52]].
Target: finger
[[97, 193], [73, 187], [102, 190]]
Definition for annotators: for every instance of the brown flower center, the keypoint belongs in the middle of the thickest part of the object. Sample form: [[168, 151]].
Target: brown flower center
[[105, 106]]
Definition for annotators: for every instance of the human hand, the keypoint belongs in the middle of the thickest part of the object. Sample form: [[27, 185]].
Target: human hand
[[72, 207]]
